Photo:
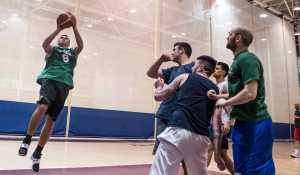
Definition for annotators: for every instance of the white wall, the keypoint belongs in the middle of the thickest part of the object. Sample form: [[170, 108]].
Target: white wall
[[111, 71]]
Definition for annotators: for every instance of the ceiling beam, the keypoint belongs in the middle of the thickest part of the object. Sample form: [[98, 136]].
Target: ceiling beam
[[267, 1], [287, 6]]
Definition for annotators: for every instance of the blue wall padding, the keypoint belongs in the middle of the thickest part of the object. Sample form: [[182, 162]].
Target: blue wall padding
[[15, 116], [282, 130], [109, 123]]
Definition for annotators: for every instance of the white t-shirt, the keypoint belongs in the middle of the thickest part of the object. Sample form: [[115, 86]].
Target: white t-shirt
[[223, 89]]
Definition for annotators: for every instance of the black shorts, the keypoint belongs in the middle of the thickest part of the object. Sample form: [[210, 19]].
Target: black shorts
[[53, 94], [224, 143], [162, 124]]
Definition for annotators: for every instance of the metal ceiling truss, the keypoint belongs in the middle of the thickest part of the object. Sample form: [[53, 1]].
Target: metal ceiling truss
[[282, 8]]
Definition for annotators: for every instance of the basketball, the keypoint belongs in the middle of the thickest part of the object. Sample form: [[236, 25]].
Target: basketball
[[64, 20]]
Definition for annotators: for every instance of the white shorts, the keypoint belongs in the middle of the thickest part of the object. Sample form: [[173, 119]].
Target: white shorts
[[177, 144]]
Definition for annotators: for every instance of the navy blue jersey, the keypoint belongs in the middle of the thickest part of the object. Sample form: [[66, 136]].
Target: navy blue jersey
[[194, 109], [167, 107]]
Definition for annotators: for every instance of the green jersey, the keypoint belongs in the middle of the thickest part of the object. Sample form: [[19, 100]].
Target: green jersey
[[59, 67], [247, 67]]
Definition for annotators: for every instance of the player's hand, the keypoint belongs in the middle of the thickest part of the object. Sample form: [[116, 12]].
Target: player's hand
[[226, 127], [159, 83], [211, 94], [221, 103], [74, 21], [59, 27], [165, 58], [72, 18]]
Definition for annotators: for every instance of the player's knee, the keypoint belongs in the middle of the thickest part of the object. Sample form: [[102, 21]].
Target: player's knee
[[42, 108], [50, 120]]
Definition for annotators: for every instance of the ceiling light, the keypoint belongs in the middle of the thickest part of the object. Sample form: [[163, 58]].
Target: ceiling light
[[109, 19], [263, 39], [4, 22], [39, 0], [297, 8], [132, 11], [90, 25], [290, 52], [297, 34], [229, 23], [174, 36], [263, 15], [219, 2], [183, 34], [15, 15], [31, 47]]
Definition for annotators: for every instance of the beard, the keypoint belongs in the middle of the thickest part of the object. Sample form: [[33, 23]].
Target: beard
[[231, 45]]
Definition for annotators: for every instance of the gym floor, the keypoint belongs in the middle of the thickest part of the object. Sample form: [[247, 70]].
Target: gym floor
[[109, 158]]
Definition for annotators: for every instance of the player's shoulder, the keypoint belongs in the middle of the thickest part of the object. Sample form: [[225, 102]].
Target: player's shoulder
[[172, 68], [247, 58]]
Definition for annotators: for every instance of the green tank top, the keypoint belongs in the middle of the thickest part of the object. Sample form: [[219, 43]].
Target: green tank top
[[59, 67]]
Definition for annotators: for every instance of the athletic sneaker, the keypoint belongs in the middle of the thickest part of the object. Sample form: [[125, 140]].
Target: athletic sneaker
[[36, 162], [23, 149], [295, 155]]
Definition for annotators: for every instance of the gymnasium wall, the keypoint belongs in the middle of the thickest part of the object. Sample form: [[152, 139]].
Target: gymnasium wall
[[113, 96], [273, 43]]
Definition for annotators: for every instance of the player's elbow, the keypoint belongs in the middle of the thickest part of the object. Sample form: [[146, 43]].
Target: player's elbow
[[45, 47], [152, 75], [81, 47], [158, 98], [251, 95]]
